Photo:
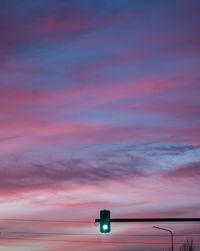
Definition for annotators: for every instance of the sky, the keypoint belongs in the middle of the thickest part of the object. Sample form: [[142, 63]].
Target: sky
[[99, 109]]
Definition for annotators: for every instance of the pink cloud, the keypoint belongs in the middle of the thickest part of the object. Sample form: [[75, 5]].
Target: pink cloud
[[29, 177], [74, 21], [105, 94], [18, 94], [190, 172], [84, 72], [176, 108], [182, 39], [16, 104], [77, 20]]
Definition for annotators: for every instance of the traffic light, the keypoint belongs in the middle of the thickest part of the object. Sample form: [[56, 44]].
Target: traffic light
[[105, 221]]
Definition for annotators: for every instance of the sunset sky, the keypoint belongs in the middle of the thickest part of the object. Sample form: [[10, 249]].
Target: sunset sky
[[99, 109]]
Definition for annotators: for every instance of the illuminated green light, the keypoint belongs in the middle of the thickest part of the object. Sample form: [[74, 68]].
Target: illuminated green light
[[105, 227]]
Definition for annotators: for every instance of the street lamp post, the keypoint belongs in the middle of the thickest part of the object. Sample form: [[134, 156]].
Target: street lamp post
[[171, 233]]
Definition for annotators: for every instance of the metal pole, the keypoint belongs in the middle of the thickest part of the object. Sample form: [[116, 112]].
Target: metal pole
[[154, 220], [171, 233]]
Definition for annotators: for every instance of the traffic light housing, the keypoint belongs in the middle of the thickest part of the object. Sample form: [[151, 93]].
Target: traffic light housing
[[105, 221]]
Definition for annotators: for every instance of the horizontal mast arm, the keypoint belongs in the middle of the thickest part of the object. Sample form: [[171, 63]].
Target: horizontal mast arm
[[154, 220]]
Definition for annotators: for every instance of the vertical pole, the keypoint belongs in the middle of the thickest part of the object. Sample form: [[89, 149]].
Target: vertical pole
[[172, 240], [171, 233]]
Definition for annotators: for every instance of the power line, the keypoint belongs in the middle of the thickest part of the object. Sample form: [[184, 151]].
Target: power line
[[79, 234], [91, 222], [40, 220], [83, 241]]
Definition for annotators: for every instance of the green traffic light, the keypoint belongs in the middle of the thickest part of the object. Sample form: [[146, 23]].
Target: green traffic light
[[105, 221]]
